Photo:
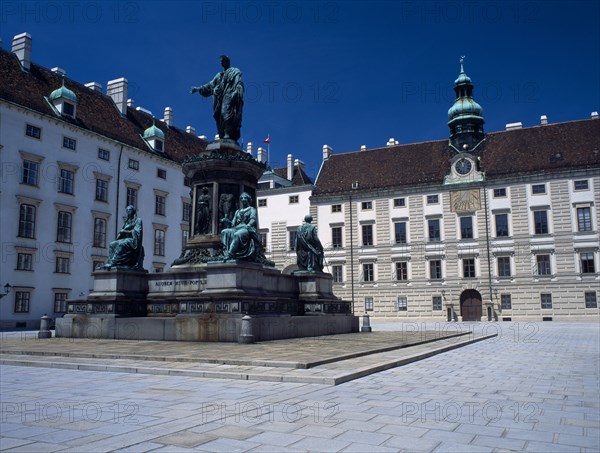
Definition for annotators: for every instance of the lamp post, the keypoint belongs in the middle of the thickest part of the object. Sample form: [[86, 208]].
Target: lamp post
[[7, 289]]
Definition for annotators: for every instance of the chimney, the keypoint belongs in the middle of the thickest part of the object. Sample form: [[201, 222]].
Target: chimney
[[217, 137], [21, 46], [130, 103], [290, 167], [391, 142], [594, 115], [168, 118], [94, 86], [513, 126], [327, 151], [261, 155], [203, 137], [117, 90], [61, 72], [190, 130], [249, 148], [298, 163], [363, 147], [543, 120]]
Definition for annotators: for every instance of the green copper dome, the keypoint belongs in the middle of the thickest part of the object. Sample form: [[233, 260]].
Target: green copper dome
[[63, 92], [154, 131], [465, 107]]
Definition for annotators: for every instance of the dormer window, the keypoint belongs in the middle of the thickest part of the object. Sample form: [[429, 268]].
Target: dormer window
[[155, 138], [63, 101]]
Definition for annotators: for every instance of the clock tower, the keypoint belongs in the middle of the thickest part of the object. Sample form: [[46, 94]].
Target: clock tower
[[465, 118]]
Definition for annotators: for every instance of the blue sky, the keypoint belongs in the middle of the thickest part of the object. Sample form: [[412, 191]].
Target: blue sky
[[342, 73]]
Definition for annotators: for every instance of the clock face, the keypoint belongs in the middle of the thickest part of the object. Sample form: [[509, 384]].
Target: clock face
[[463, 166]]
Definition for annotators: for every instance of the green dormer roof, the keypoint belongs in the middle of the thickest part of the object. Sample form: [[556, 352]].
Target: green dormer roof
[[154, 131], [63, 92]]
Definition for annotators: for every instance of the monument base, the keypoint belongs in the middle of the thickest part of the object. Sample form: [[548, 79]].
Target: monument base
[[207, 303]]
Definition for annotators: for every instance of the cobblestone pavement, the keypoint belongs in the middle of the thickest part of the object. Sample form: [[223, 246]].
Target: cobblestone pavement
[[535, 388]]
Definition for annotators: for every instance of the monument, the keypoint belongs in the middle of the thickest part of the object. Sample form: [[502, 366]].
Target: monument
[[222, 287]]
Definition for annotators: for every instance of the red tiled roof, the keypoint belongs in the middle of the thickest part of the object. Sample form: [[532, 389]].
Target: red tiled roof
[[300, 178], [96, 112], [550, 148]]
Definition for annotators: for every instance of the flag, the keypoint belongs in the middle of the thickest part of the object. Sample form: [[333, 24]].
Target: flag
[[268, 139]]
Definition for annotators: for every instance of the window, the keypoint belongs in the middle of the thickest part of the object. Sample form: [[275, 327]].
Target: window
[[503, 266], [466, 227], [63, 229], [263, 235], [336, 272], [186, 210], [584, 219], [336, 237], [540, 220], [158, 145], [133, 164], [22, 299], [368, 304], [159, 205], [401, 270], [581, 184], [101, 190], [99, 232], [368, 272], [27, 221], [435, 269], [436, 302], [543, 265], [185, 236], [366, 205], [501, 225], [60, 302], [367, 235], [505, 302], [292, 235], [24, 262], [336, 208], [63, 265], [30, 172], [400, 232], [434, 230], [32, 131], [402, 303], [468, 267], [546, 300], [538, 189], [69, 143], [399, 202], [161, 173], [132, 196], [590, 299], [159, 242], [262, 202], [68, 109], [65, 181], [433, 199], [294, 199], [103, 154], [586, 260], [500, 193]]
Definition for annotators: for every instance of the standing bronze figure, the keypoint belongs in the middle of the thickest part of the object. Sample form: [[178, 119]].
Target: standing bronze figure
[[227, 90], [309, 250]]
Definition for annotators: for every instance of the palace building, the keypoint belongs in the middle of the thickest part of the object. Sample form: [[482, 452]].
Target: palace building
[[72, 159], [479, 226]]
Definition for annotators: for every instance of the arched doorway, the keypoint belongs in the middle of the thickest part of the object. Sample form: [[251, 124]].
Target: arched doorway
[[471, 307]]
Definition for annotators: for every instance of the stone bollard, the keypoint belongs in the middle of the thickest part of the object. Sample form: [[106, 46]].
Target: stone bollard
[[45, 327], [246, 334], [366, 327]]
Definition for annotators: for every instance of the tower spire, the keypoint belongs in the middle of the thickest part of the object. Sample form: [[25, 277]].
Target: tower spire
[[465, 117]]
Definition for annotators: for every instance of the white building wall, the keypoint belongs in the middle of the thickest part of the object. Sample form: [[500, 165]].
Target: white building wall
[[42, 282]]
